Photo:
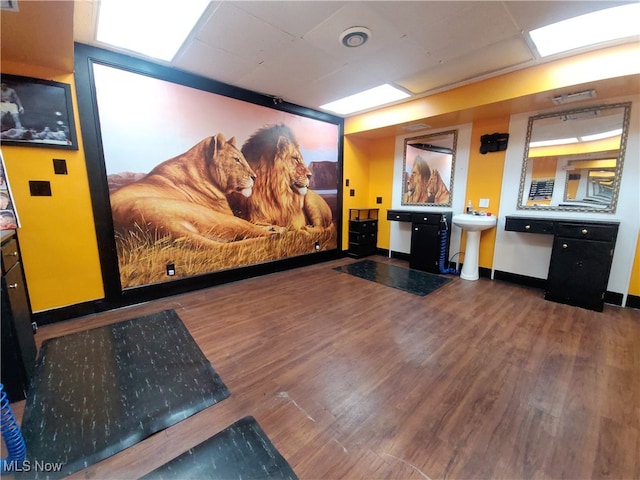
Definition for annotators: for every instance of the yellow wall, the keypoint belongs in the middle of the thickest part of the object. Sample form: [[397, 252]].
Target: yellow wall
[[57, 234], [634, 285], [484, 180]]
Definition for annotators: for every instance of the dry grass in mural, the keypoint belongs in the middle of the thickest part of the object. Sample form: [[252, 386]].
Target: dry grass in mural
[[143, 259]]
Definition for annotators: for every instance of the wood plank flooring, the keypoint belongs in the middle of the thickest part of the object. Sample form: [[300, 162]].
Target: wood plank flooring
[[352, 379]]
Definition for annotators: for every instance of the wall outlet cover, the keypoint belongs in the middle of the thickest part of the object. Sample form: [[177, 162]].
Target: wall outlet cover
[[484, 203]]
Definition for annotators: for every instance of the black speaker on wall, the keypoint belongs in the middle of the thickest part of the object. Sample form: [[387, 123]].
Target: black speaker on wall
[[494, 142]]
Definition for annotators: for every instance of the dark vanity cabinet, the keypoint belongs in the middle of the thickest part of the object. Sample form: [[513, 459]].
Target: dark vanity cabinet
[[580, 264], [427, 231], [580, 258], [363, 232], [18, 343]]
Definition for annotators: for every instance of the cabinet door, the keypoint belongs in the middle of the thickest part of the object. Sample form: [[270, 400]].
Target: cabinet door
[[579, 272], [18, 338], [425, 247]]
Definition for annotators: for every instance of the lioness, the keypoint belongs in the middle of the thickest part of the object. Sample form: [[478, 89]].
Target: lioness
[[281, 194], [186, 197]]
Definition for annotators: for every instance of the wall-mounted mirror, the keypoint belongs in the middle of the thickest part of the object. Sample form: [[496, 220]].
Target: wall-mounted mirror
[[429, 162], [573, 159]]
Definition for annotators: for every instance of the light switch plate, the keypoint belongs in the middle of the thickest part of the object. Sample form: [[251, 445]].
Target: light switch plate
[[484, 203]]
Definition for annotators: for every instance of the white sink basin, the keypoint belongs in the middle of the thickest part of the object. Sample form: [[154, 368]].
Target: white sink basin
[[474, 223]]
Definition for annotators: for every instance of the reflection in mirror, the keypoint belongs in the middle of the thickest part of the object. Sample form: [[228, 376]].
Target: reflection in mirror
[[429, 162], [573, 159]]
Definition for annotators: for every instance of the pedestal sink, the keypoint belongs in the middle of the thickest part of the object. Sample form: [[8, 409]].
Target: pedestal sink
[[473, 224]]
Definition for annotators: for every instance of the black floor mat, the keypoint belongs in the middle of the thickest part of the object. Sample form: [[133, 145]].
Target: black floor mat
[[97, 392], [405, 279], [241, 450]]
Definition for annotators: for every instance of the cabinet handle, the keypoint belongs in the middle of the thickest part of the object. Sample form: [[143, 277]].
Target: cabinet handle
[[564, 245], [13, 285], [13, 254], [527, 227], [585, 231]]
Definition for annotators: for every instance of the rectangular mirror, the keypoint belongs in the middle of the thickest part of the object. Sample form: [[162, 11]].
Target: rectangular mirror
[[428, 166], [573, 159]]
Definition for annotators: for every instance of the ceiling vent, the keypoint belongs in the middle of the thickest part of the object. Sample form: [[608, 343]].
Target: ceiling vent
[[573, 97], [416, 126], [355, 36]]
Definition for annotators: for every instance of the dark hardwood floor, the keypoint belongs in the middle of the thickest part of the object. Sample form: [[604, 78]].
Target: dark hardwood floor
[[352, 379]]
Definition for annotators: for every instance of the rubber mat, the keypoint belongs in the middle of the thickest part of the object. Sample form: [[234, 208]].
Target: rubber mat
[[241, 450], [405, 279], [97, 392]]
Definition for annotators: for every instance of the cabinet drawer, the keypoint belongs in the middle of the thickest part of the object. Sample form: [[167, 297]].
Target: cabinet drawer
[[363, 238], [426, 218], [397, 216], [605, 233], [363, 226], [10, 255], [528, 225]]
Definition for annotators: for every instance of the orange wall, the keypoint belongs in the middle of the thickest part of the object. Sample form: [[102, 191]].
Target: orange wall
[[57, 234], [634, 285], [484, 180]]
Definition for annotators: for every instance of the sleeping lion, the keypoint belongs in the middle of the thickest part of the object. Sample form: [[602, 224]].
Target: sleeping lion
[[186, 197], [281, 194]]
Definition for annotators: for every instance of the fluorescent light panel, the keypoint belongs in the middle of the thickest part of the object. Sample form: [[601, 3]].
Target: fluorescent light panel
[[590, 29], [600, 136], [552, 143], [156, 28], [374, 97]]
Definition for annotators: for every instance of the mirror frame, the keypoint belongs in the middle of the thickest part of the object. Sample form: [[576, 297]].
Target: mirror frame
[[626, 106], [451, 168]]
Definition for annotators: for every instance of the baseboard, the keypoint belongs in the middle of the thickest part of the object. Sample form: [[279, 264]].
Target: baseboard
[[399, 255], [633, 301], [520, 279]]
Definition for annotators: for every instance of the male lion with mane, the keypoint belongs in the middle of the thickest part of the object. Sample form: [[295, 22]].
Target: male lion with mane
[[281, 194], [186, 197]]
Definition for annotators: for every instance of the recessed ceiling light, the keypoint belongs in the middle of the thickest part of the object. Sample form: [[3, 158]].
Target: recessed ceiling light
[[156, 28], [355, 36], [374, 97], [590, 29]]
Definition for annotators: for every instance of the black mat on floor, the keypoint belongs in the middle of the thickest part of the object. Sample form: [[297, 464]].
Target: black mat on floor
[[97, 392], [241, 450], [405, 279]]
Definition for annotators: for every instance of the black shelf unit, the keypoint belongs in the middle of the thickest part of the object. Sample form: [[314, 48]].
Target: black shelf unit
[[363, 232]]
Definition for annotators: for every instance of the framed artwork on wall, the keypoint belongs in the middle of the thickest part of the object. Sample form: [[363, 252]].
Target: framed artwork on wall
[[428, 167], [37, 113], [193, 180]]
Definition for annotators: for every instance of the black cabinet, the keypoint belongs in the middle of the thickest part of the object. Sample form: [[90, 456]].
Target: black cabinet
[[580, 264], [427, 231], [363, 231], [580, 258], [18, 344]]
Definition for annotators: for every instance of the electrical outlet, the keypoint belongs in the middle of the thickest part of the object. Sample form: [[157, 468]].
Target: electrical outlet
[[352, 193], [484, 203], [317, 246], [378, 199], [171, 269]]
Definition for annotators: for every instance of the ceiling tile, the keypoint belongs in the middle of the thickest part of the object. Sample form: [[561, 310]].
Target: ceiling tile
[[219, 65], [474, 64], [235, 31], [295, 18]]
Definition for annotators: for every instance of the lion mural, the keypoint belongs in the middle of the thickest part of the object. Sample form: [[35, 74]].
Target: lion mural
[[186, 197], [281, 194]]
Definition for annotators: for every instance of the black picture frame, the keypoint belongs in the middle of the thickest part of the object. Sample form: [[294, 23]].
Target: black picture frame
[[37, 113], [86, 59]]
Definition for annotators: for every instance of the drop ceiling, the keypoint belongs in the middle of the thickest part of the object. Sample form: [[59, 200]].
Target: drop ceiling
[[292, 50]]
